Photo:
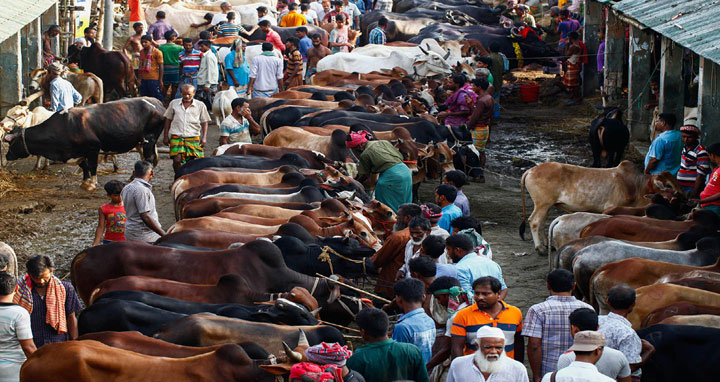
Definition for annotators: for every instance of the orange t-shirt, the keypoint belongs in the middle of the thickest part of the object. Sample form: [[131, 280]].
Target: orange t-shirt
[[155, 62], [136, 11], [468, 320]]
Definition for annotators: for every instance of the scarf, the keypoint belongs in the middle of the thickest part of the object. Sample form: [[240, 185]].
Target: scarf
[[315, 372], [356, 139], [455, 102], [478, 241], [146, 61], [266, 54], [54, 301], [237, 48], [324, 354], [430, 215]]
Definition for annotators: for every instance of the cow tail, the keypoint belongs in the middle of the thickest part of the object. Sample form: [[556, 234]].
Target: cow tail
[[550, 236], [590, 298], [522, 197], [73, 272], [130, 79], [101, 91]]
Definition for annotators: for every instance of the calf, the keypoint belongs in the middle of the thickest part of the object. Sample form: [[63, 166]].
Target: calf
[[608, 138], [568, 227]]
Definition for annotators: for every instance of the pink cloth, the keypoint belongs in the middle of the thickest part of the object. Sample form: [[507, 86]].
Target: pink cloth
[[356, 139], [457, 102]]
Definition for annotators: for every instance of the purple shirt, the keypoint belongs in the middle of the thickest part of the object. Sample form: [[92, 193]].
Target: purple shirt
[[457, 102], [601, 56], [157, 30], [43, 333]]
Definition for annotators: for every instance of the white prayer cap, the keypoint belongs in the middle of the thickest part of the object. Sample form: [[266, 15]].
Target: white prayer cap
[[489, 332]]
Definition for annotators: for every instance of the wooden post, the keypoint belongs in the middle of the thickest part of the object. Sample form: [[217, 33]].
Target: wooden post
[[709, 101], [614, 59], [672, 87], [639, 73]]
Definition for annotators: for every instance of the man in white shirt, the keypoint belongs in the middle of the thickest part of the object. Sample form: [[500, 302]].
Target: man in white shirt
[[490, 363], [266, 73], [588, 347], [352, 10], [218, 18], [186, 121], [16, 338], [207, 78], [237, 126], [419, 230], [262, 12], [63, 95]]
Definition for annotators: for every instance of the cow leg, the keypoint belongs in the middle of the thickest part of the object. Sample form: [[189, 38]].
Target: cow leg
[[85, 185], [116, 164], [537, 228]]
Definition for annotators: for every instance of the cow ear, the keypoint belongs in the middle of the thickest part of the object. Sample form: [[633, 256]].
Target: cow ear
[[9, 137], [334, 294], [649, 196], [280, 369], [326, 186]]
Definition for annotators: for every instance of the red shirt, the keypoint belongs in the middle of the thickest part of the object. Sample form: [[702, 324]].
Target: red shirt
[[115, 220], [712, 188], [274, 38]]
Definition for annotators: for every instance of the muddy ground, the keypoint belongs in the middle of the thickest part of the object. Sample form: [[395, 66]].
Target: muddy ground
[[48, 213]]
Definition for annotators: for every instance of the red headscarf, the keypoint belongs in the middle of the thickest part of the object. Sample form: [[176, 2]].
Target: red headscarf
[[356, 139]]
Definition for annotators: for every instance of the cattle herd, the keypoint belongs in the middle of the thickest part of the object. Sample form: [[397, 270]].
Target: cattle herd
[[270, 238]]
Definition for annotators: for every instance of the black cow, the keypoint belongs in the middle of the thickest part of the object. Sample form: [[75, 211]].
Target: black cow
[[256, 189], [285, 116], [308, 258], [608, 138], [682, 353], [338, 95], [242, 161], [84, 132], [112, 67], [124, 316], [401, 27], [402, 6], [483, 14]]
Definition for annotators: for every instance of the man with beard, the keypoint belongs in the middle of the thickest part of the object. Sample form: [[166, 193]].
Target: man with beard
[[419, 229], [588, 347], [489, 362], [51, 303]]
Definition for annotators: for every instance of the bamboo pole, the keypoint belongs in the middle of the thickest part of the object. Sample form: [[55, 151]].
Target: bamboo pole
[[354, 288]]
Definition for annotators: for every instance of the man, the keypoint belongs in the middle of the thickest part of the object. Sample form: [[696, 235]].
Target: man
[[308, 13], [377, 35], [221, 17], [133, 46], [565, 26], [522, 15], [457, 179], [394, 184], [497, 67], [488, 310], [433, 213], [305, 42], [159, 27], [460, 103], [317, 6], [207, 79], [333, 355], [384, 5], [90, 33], [619, 332], [266, 73], [384, 359], [423, 268], [546, 324], [339, 41], [330, 17], [470, 266], [151, 70], [16, 341], [414, 326], [282, 8], [588, 347], [189, 65], [419, 229], [171, 60], [490, 362], [142, 219], [665, 151], [695, 161], [51, 303], [446, 299], [237, 126], [271, 36], [294, 72], [390, 257], [573, 66], [293, 18], [262, 12], [186, 121], [353, 12], [63, 95], [229, 28], [316, 53], [434, 247], [601, 64], [612, 363], [479, 122], [47, 39], [237, 69], [470, 227], [445, 195]]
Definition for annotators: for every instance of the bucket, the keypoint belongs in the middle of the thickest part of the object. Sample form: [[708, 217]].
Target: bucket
[[529, 92]]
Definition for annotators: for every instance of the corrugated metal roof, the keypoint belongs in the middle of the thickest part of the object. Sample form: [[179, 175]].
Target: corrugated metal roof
[[18, 13], [690, 23]]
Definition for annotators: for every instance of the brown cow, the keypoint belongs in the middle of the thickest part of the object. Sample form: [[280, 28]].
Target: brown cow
[[652, 297], [294, 94], [706, 320], [139, 343], [206, 207], [260, 178], [95, 361], [205, 239], [327, 208], [637, 228], [678, 308], [574, 188], [333, 146]]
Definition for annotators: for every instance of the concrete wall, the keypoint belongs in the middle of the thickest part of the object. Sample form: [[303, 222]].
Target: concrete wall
[[672, 88], [11, 69], [709, 101], [593, 24], [614, 59], [639, 72]]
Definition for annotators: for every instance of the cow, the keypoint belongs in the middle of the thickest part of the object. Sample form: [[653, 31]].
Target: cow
[[636, 228], [204, 207], [608, 138], [705, 320], [679, 308], [21, 116], [93, 361], [425, 65], [181, 15], [307, 194], [400, 27], [88, 85], [702, 275], [343, 256], [656, 296], [242, 161], [201, 177], [260, 105], [8, 254], [575, 189], [221, 104], [84, 132], [699, 283], [112, 67], [259, 264], [332, 147], [565, 228]]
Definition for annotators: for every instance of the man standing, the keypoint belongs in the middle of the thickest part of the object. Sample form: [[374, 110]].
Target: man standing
[[221, 17], [588, 347], [142, 218], [330, 17], [282, 8], [316, 6], [157, 29], [271, 36], [47, 38], [237, 69], [665, 151], [90, 33], [497, 67], [565, 26], [573, 66], [352, 10], [207, 78], [479, 122], [317, 52], [488, 310], [309, 14], [457, 179], [619, 332], [16, 341], [189, 65], [612, 363], [266, 73], [338, 40], [377, 35], [547, 326], [695, 161], [445, 195], [262, 12], [294, 73], [384, 359], [490, 362], [460, 103], [305, 43], [471, 266], [171, 60], [414, 326], [51, 303], [186, 121], [151, 69], [293, 18], [63, 95]]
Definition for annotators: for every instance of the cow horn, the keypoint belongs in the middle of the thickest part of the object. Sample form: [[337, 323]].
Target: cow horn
[[293, 356], [427, 46], [316, 311], [421, 49], [302, 339], [447, 55]]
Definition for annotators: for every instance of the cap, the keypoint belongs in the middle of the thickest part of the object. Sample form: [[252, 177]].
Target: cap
[[489, 332], [690, 124], [588, 340]]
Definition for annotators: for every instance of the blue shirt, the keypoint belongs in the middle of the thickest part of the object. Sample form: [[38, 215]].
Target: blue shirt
[[449, 213], [463, 203], [377, 36], [667, 149], [242, 73], [445, 270], [63, 95], [416, 328], [305, 44], [472, 267]]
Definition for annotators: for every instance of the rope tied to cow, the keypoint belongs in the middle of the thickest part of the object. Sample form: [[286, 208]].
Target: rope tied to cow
[[382, 223], [325, 257]]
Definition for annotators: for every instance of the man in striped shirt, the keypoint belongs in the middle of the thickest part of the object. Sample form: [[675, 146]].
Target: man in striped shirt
[[189, 65], [377, 35], [695, 161], [231, 29]]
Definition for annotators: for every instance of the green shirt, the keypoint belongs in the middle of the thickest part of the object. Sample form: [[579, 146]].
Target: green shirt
[[388, 361], [378, 156], [171, 54], [496, 69]]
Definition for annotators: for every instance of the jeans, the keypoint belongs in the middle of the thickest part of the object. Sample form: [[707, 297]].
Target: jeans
[[151, 88]]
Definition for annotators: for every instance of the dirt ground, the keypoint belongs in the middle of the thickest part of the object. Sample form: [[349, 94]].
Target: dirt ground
[[48, 213]]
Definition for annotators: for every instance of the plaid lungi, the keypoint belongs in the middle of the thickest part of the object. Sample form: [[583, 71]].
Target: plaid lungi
[[186, 147], [572, 75], [171, 74], [480, 136]]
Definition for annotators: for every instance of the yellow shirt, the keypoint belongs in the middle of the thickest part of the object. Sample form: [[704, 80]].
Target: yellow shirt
[[293, 19]]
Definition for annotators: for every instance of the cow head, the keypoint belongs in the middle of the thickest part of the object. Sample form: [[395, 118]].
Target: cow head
[[292, 356], [441, 160], [666, 185], [17, 116], [431, 64], [286, 312], [17, 148], [353, 260], [36, 79], [364, 234]]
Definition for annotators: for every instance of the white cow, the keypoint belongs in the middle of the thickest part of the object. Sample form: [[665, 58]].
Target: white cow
[[427, 45], [22, 116], [181, 15], [422, 65], [222, 104]]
